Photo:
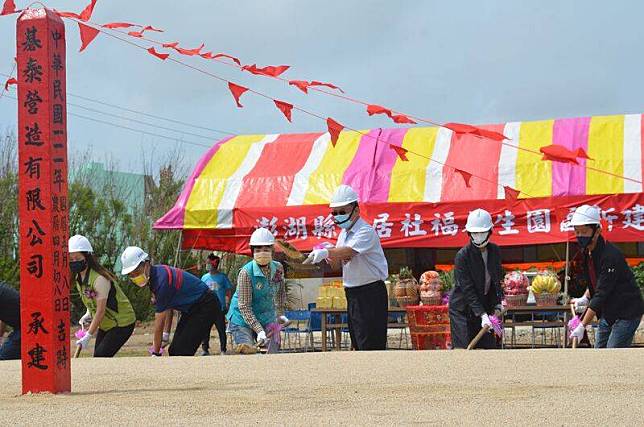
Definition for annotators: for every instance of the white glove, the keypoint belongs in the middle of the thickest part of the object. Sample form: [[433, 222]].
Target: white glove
[[84, 342], [87, 318], [578, 332], [485, 321], [317, 256], [261, 338], [166, 337], [581, 303], [283, 320]]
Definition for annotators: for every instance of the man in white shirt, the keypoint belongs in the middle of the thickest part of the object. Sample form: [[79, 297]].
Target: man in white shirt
[[364, 269]]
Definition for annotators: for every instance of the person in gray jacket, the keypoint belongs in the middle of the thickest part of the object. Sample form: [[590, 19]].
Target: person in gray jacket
[[477, 292]]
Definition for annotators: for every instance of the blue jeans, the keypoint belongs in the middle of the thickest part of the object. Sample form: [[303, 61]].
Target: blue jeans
[[10, 350], [619, 335], [244, 335]]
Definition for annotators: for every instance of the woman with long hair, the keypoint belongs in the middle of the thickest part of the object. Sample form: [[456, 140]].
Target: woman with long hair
[[111, 313]]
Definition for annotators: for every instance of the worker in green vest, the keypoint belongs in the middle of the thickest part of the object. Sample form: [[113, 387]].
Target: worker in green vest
[[256, 312], [111, 313]]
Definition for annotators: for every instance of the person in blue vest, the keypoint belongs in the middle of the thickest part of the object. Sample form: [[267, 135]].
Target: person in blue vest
[[174, 289], [218, 283], [257, 307]]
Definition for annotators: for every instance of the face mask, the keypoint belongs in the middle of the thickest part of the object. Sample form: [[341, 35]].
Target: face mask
[[77, 266], [584, 241], [342, 220], [140, 280], [480, 240], [263, 258]]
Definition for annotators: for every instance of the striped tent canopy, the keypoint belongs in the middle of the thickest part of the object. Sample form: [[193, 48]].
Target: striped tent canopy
[[285, 181]]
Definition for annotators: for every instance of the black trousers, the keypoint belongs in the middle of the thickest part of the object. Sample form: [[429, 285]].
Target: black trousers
[[464, 328], [108, 343], [194, 325], [367, 314], [220, 324]]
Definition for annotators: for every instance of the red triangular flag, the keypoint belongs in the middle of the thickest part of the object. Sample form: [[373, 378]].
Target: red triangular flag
[[511, 195], [170, 45], [161, 56], [285, 108], [151, 28], [582, 154], [466, 176], [114, 25], [8, 8], [87, 34], [332, 86], [223, 55], [237, 91], [402, 152], [401, 118], [67, 14], [271, 71], [558, 153], [334, 129], [11, 81], [190, 52], [490, 134], [302, 85], [86, 14], [207, 55], [460, 128], [377, 109], [138, 34]]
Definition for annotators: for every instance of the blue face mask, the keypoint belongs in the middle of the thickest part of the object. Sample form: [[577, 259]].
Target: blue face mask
[[342, 221]]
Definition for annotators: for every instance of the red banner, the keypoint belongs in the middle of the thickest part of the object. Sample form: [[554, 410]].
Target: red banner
[[42, 202], [442, 225]]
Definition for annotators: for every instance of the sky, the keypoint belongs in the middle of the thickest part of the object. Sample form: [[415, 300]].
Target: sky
[[456, 61]]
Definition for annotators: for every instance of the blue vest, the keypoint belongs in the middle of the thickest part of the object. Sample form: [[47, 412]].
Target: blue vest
[[263, 304]]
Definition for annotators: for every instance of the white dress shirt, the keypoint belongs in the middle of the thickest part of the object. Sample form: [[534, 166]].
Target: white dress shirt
[[369, 264]]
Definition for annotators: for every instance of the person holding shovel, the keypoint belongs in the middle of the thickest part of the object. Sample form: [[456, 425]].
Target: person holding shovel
[[109, 312], [364, 270], [612, 295], [256, 312], [477, 292], [173, 289]]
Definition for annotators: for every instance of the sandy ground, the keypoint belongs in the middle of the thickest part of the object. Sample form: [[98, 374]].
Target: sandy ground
[[551, 387]]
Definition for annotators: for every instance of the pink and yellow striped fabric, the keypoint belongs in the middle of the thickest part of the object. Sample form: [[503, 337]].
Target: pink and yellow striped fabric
[[278, 171]]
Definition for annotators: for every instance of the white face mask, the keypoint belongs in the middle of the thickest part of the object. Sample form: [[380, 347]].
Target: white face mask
[[480, 240], [263, 258]]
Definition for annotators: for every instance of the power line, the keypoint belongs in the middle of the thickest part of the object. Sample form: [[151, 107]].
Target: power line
[[129, 110], [141, 131]]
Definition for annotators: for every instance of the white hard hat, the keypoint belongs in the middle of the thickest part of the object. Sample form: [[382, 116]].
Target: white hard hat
[[478, 221], [262, 237], [79, 243], [343, 196], [131, 257], [586, 215]]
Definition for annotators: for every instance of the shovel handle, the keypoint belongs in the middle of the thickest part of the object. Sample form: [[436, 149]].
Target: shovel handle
[[77, 352], [574, 342], [484, 330]]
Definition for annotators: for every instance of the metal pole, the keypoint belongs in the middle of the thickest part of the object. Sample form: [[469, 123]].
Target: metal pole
[[176, 255], [566, 278]]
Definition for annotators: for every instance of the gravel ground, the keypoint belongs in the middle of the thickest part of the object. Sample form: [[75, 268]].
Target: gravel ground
[[551, 387]]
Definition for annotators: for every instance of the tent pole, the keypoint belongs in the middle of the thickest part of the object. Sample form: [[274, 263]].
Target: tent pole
[[176, 255], [566, 278]]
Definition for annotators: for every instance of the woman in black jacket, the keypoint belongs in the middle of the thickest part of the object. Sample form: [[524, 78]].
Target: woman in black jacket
[[477, 291]]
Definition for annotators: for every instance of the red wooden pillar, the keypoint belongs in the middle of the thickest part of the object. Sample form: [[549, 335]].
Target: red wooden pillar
[[43, 203]]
